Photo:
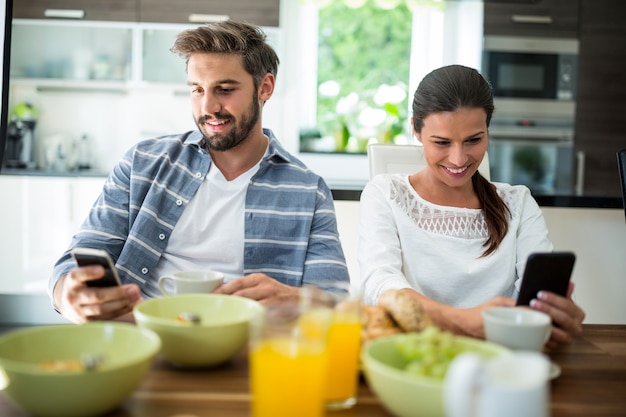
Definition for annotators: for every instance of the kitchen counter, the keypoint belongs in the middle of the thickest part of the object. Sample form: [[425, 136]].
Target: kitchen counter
[[579, 201], [351, 190], [46, 173], [26, 310], [344, 192]]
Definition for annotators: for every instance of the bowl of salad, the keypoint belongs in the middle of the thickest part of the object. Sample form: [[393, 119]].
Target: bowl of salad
[[407, 371]]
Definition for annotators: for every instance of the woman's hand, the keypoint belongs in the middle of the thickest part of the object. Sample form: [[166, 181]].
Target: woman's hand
[[465, 322], [469, 322], [566, 315]]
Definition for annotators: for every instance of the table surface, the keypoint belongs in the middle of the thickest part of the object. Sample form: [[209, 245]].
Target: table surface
[[592, 383]]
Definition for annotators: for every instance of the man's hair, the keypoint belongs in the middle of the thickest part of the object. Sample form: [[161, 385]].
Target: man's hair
[[231, 37]]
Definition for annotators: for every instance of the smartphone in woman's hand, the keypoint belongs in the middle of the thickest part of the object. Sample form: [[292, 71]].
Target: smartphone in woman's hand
[[546, 271]]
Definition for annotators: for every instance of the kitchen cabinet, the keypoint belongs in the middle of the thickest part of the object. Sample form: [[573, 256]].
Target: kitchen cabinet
[[111, 10], [258, 12], [158, 64], [39, 218], [103, 56], [545, 18], [115, 40], [43, 49], [98, 55], [601, 103]]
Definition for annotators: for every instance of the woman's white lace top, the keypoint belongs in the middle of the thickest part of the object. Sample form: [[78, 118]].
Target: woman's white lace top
[[406, 241]]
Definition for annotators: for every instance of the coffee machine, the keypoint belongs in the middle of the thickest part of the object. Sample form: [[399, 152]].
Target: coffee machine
[[20, 148]]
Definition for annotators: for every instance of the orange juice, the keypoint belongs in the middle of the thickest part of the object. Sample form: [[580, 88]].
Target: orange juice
[[344, 344], [287, 378]]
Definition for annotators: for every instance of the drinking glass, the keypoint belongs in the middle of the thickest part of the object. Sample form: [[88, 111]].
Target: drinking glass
[[288, 359], [344, 345]]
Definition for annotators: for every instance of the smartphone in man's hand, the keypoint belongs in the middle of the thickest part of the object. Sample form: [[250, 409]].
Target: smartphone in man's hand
[[88, 256]]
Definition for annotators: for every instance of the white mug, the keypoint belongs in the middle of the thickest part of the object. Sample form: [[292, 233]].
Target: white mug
[[187, 282], [518, 328], [512, 385]]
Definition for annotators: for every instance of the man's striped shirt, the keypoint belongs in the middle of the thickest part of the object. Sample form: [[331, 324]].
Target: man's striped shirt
[[290, 224]]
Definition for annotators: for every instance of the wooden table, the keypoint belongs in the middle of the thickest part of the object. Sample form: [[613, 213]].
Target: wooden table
[[592, 384]]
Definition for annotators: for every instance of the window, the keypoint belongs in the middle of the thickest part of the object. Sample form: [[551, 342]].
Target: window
[[362, 72], [441, 33], [370, 56]]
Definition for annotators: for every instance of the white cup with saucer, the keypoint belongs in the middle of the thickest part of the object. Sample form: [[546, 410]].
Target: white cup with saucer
[[519, 328], [188, 282]]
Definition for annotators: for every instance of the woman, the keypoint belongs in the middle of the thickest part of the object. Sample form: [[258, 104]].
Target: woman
[[446, 235]]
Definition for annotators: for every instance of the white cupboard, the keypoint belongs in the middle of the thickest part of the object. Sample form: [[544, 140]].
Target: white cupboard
[[39, 217]]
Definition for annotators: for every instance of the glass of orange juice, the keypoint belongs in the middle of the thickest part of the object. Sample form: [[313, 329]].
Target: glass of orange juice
[[288, 360], [344, 346]]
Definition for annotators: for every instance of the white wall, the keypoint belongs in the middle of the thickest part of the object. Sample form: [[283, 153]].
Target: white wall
[[597, 236]]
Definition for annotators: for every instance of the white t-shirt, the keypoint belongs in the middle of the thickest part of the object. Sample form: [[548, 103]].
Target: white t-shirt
[[210, 232], [408, 242]]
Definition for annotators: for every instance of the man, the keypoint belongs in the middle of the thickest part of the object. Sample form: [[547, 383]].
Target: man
[[226, 197]]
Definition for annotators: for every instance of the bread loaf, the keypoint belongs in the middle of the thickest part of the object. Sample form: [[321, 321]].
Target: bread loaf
[[378, 323], [396, 312], [405, 310]]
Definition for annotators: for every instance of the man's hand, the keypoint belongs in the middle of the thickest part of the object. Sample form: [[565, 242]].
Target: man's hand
[[259, 287], [79, 303]]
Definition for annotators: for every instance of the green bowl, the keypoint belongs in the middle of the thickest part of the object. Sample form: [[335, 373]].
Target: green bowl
[[223, 330], [404, 394], [127, 354]]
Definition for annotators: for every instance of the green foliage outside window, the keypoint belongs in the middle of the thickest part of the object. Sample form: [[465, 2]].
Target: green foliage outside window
[[364, 59]]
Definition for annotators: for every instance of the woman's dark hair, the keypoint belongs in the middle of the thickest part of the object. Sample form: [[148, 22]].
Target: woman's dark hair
[[448, 89], [231, 37]]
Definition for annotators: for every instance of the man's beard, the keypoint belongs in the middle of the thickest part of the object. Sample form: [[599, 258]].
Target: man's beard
[[237, 134]]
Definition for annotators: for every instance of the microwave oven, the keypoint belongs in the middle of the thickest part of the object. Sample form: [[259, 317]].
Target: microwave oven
[[531, 67]]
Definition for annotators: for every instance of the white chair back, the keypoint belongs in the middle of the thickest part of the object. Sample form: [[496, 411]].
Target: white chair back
[[404, 159]]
